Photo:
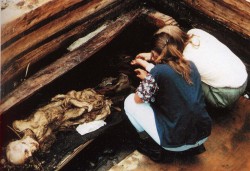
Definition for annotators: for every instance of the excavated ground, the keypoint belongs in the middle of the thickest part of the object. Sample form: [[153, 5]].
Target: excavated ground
[[227, 148]]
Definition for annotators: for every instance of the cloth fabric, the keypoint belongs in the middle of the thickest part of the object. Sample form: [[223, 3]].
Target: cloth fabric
[[147, 88], [179, 107], [222, 97], [178, 117], [218, 66], [90, 126], [143, 119], [149, 67]]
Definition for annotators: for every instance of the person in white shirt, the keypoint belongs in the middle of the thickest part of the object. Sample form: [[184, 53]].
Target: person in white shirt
[[223, 74]]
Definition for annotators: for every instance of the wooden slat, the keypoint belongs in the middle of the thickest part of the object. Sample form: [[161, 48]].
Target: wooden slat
[[234, 14], [16, 20], [37, 54], [49, 29], [159, 19], [67, 62], [69, 157]]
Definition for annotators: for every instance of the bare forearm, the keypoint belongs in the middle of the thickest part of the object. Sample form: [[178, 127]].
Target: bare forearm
[[137, 98]]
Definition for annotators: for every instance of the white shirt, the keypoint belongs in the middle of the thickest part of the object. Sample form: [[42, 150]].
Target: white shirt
[[216, 63]]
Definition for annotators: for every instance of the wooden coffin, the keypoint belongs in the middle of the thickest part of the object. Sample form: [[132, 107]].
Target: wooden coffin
[[36, 65]]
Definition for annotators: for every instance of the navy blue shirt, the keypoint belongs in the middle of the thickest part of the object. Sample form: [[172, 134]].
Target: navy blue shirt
[[179, 107]]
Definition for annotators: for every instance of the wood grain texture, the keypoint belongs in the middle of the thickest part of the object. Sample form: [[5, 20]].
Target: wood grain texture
[[30, 40], [25, 18], [67, 62], [15, 68], [234, 14], [159, 19]]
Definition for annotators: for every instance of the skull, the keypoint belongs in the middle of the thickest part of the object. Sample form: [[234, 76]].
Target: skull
[[20, 150]]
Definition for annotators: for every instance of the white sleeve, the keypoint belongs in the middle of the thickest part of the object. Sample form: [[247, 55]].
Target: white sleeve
[[149, 67]]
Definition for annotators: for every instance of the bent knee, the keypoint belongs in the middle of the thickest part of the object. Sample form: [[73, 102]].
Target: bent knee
[[129, 101]]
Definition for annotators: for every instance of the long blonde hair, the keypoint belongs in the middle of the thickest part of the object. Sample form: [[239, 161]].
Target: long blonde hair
[[169, 43]]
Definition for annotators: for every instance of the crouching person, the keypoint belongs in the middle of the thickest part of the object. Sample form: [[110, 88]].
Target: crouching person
[[168, 103]]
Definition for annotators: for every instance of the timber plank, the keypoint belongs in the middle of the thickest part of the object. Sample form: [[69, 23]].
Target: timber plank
[[159, 19], [16, 20], [67, 62], [39, 53], [28, 41], [240, 5], [234, 14], [69, 157]]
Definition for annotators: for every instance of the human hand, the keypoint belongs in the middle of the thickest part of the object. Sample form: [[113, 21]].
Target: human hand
[[140, 62], [137, 61], [144, 56], [140, 73]]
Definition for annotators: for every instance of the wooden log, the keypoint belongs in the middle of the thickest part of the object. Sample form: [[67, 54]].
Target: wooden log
[[159, 19], [17, 67], [17, 19], [234, 14], [67, 62], [70, 156], [28, 41]]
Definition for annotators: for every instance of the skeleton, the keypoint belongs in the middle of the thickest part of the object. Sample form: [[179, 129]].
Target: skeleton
[[64, 111]]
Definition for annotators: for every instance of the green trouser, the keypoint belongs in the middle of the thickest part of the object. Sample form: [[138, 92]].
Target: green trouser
[[222, 97]]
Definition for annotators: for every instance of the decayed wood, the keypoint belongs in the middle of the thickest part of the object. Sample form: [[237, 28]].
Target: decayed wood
[[234, 14], [67, 62], [69, 157], [159, 19], [37, 54], [16, 20], [45, 31]]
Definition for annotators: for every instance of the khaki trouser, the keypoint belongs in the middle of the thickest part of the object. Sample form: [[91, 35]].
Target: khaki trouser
[[222, 97]]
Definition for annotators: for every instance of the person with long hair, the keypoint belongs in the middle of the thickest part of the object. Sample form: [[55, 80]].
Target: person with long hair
[[223, 74], [168, 104]]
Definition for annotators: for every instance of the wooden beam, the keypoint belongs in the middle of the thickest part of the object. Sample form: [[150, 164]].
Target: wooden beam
[[16, 19], [70, 156], [28, 41], [234, 14], [159, 19], [17, 67], [67, 62]]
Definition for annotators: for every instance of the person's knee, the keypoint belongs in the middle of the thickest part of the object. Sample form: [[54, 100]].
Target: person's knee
[[129, 102]]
